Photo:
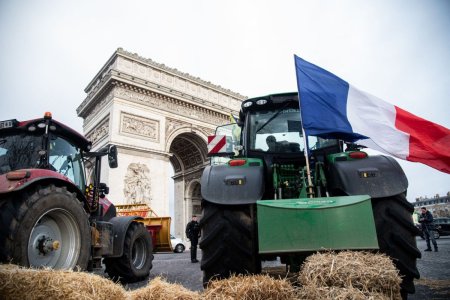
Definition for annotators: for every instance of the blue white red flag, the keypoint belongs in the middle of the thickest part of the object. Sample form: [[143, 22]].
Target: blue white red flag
[[332, 108]]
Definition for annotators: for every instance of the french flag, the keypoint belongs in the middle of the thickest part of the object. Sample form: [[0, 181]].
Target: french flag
[[332, 108]]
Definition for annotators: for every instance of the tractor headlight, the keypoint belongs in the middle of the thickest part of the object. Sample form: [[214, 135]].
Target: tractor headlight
[[247, 104], [261, 101]]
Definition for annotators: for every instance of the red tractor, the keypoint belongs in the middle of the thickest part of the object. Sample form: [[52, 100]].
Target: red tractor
[[51, 217]]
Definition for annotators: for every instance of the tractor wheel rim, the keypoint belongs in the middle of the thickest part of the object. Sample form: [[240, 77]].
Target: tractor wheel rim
[[55, 240], [139, 253]]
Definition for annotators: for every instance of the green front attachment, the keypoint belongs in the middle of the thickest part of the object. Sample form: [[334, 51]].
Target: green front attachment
[[311, 224]]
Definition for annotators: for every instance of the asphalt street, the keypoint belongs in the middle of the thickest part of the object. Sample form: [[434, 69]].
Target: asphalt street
[[434, 268]]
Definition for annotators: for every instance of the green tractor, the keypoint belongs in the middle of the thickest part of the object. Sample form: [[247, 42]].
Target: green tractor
[[259, 202]]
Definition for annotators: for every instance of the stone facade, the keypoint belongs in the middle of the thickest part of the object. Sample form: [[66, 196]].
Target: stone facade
[[156, 116], [438, 205]]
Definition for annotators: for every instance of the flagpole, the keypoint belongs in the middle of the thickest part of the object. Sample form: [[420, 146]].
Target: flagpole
[[310, 192], [305, 139], [308, 172]]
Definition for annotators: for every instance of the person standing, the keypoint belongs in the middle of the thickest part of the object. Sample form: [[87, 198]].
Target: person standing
[[426, 221], [193, 233]]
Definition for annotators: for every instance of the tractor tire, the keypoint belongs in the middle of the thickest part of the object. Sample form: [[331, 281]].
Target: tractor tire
[[397, 237], [137, 258], [44, 227], [229, 241]]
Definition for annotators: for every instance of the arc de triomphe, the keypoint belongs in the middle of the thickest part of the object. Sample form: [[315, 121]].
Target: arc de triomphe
[[156, 116]]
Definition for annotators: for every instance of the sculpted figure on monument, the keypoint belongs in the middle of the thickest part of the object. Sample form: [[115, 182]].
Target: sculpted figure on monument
[[137, 184], [99, 132]]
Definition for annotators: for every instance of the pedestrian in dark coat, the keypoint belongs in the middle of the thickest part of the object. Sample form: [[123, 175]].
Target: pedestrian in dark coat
[[426, 221], [193, 233]]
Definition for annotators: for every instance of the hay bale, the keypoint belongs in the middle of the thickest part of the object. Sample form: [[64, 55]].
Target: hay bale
[[310, 292], [249, 287], [22, 283], [159, 289], [368, 272], [280, 272]]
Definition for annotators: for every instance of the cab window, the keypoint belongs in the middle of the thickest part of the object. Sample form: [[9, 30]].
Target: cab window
[[66, 159]]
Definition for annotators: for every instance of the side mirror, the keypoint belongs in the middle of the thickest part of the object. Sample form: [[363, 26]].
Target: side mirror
[[112, 156]]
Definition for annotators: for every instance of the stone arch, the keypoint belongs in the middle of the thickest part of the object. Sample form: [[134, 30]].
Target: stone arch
[[188, 157], [184, 129], [189, 151], [194, 197], [157, 117]]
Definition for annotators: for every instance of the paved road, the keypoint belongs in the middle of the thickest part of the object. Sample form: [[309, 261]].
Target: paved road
[[434, 268]]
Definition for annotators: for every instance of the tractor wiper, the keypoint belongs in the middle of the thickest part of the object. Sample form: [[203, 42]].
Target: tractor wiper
[[273, 117]]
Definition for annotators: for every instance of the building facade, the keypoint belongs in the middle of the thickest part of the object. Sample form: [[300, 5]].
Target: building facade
[[156, 116], [438, 205]]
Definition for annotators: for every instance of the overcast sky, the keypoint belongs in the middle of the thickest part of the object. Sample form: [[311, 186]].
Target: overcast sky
[[396, 50]]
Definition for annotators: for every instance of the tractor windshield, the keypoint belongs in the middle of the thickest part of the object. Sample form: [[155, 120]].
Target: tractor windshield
[[19, 151], [276, 131], [66, 159]]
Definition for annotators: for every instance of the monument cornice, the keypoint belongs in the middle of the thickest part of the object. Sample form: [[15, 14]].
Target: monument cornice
[[94, 96], [115, 78], [144, 87], [142, 151], [114, 70], [178, 73]]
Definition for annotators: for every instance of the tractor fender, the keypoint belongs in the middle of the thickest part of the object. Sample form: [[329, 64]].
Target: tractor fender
[[38, 177], [120, 227], [223, 184], [377, 176]]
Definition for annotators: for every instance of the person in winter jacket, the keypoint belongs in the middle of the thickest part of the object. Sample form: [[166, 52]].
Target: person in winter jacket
[[426, 221], [193, 233]]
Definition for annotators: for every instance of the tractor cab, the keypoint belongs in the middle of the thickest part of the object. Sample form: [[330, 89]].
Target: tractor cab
[[43, 144], [272, 132]]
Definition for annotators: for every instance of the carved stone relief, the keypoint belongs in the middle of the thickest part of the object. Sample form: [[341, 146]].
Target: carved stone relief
[[137, 184], [99, 132], [133, 62], [172, 125], [207, 131], [169, 104], [139, 126]]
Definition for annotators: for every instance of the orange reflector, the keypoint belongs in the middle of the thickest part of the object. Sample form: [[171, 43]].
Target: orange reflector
[[47, 115], [237, 162], [17, 175], [357, 155]]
